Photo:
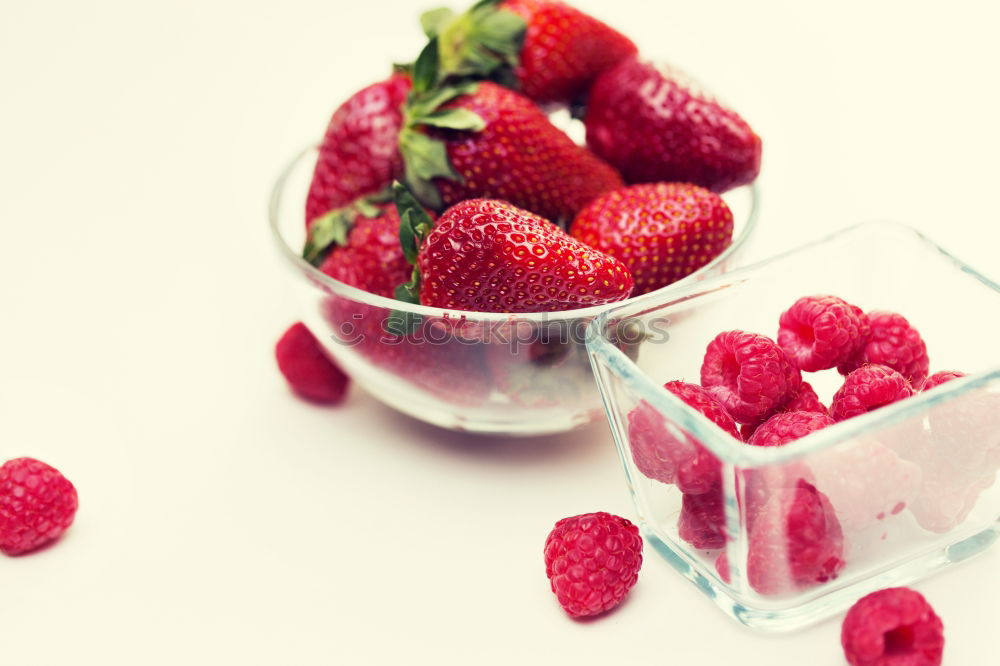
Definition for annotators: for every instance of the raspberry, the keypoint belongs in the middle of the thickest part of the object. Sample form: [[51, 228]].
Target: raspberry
[[592, 561], [310, 373], [893, 627], [795, 540], [787, 426], [939, 378], [820, 332], [749, 374], [702, 522], [895, 343], [868, 388], [37, 504], [805, 400], [761, 483], [663, 456]]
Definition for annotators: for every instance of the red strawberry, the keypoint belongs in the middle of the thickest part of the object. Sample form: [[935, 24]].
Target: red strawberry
[[366, 252], [564, 50], [661, 231], [654, 124], [490, 256], [494, 143], [359, 154], [549, 50]]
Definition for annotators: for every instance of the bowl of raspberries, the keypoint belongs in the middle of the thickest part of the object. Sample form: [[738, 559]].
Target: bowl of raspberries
[[463, 220], [802, 431]]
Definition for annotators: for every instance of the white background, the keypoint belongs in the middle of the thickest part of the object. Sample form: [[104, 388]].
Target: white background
[[221, 520]]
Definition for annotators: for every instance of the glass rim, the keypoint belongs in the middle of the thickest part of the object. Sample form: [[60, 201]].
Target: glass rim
[[725, 447], [294, 258]]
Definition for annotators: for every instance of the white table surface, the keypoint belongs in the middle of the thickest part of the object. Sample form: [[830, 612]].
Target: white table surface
[[223, 521]]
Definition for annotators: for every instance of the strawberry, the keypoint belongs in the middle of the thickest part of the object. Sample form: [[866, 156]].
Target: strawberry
[[654, 124], [490, 256], [359, 154], [661, 231], [491, 142], [366, 252], [549, 51], [564, 50]]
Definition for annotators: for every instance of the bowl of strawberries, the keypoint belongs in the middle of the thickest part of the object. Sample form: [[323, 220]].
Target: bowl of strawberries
[[806, 430], [452, 240]]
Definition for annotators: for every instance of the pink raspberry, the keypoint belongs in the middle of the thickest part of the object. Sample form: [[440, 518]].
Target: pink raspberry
[[895, 343], [592, 561], [805, 400], [37, 504], [749, 374], [868, 388], [760, 484], [820, 332], [939, 378], [787, 426], [702, 522], [795, 540], [893, 627], [309, 371], [661, 455]]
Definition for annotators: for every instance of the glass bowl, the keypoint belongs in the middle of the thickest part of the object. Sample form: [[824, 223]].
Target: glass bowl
[[875, 501], [524, 374]]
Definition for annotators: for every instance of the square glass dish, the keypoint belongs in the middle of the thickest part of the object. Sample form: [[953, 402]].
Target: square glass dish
[[792, 534]]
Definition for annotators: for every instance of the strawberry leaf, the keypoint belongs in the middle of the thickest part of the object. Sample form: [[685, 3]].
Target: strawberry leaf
[[326, 230], [457, 119], [404, 323], [425, 158], [414, 222], [367, 208], [433, 20], [419, 106], [502, 32], [409, 292], [426, 68], [481, 41], [332, 227]]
